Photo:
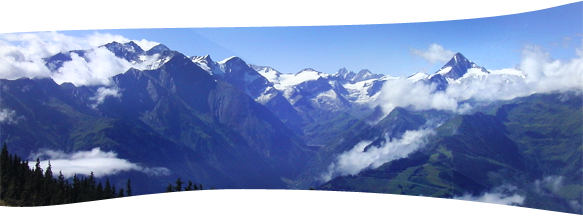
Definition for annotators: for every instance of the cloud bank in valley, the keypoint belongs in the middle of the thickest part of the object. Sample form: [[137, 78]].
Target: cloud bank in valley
[[536, 73], [505, 195], [84, 162], [21, 55], [486, 204], [405, 93], [366, 156]]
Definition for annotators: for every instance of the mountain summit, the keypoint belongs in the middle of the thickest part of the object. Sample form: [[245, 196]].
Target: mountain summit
[[457, 67], [453, 70], [129, 51]]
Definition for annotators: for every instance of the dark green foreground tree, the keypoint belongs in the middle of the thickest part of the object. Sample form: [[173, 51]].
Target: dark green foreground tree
[[23, 186], [310, 199]]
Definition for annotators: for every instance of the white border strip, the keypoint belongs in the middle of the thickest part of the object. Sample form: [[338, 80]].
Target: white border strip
[[40, 15]]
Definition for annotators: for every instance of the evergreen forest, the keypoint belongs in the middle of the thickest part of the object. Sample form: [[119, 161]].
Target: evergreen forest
[[22, 186]]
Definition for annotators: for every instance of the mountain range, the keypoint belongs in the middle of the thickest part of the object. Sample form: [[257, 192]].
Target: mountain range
[[230, 124]]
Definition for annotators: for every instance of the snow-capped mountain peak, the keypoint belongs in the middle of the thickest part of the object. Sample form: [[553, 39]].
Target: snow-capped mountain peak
[[232, 59], [269, 73], [342, 71], [132, 46], [345, 74], [364, 75], [457, 67], [160, 48], [234, 65], [205, 61], [124, 49], [308, 70], [353, 77]]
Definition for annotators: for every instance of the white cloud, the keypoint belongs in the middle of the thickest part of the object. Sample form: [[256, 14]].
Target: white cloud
[[435, 53], [504, 194], [357, 159], [145, 44], [21, 55], [486, 204], [499, 85], [405, 93], [537, 73], [100, 65], [97, 39], [84, 162], [552, 183], [42, 44], [17, 62], [8, 116], [102, 93]]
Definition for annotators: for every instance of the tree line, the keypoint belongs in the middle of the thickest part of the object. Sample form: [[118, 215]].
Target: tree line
[[21, 185]]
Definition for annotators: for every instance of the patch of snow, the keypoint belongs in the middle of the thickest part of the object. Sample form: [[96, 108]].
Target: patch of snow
[[270, 74], [472, 73], [288, 80], [444, 70], [203, 62], [358, 85], [158, 63], [226, 59], [266, 96], [418, 76], [130, 49], [205, 67], [387, 77], [358, 92], [327, 94]]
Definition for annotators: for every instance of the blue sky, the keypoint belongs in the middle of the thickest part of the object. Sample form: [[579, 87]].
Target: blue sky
[[494, 42]]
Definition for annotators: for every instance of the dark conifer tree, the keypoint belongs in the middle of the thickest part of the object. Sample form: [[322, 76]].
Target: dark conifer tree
[[107, 190], [25, 186], [128, 188], [121, 198], [99, 192], [61, 180], [49, 172], [5, 166], [48, 189], [114, 195]]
